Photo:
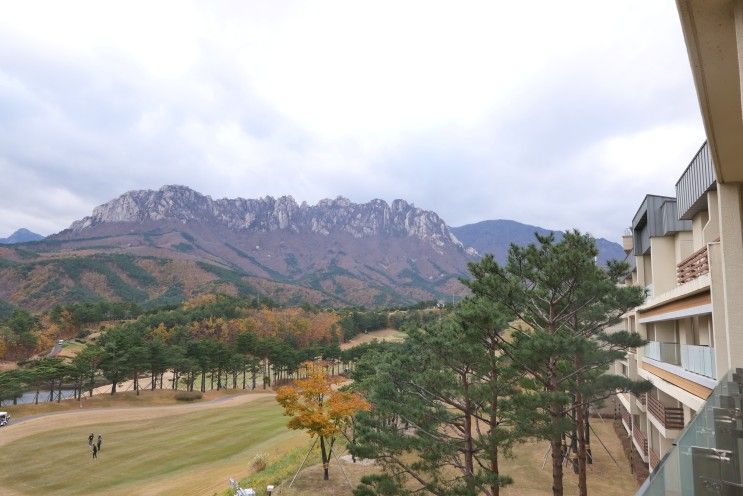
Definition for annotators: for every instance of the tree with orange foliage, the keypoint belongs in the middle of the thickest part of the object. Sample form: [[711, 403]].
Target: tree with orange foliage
[[315, 405], [67, 323]]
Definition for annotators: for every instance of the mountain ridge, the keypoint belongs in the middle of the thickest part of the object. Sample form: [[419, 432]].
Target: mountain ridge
[[495, 236], [21, 235], [183, 204], [163, 246]]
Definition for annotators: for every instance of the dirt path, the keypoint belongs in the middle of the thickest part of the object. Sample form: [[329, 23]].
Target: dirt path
[[144, 383], [49, 421], [382, 335]]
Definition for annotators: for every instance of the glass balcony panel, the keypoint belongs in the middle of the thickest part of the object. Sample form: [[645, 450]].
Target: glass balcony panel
[[663, 352], [698, 359], [708, 457]]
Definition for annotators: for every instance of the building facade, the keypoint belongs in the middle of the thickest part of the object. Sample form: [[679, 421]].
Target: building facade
[[689, 428], [674, 248]]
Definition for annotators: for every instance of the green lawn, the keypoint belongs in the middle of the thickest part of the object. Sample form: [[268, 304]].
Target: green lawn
[[192, 453]]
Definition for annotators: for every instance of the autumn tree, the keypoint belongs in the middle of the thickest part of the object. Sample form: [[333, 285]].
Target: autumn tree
[[315, 405]]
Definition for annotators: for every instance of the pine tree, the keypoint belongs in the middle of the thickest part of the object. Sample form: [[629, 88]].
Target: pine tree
[[560, 302], [441, 408]]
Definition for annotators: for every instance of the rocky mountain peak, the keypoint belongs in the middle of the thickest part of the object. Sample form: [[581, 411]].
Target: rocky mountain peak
[[173, 203]]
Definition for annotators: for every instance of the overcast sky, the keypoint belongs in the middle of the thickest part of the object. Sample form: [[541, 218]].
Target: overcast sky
[[559, 114]]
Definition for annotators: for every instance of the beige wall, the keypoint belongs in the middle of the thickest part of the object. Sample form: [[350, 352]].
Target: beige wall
[[695, 330], [664, 331], [717, 291], [663, 251], [697, 229], [684, 244], [644, 274], [711, 230]]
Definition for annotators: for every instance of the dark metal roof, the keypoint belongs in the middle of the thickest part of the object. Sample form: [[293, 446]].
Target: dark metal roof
[[692, 186], [657, 216]]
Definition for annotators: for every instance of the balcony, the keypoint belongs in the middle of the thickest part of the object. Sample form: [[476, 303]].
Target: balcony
[[653, 459], [693, 266], [641, 439], [670, 417], [697, 179], [698, 359], [663, 352], [626, 417], [649, 291], [705, 459], [641, 402], [692, 358]]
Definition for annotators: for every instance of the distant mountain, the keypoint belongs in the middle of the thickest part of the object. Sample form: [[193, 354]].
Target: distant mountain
[[162, 246], [496, 236], [156, 246], [340, 216], [21, 236]]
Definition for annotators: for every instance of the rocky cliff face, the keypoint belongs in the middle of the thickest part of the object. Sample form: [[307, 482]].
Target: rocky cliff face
[[184, 205]]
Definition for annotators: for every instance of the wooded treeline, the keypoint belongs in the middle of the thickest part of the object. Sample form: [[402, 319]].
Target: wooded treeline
[[23, 334], [214, 341]]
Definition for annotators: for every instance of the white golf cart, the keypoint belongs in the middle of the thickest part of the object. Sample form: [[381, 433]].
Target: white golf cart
[[4, 419]]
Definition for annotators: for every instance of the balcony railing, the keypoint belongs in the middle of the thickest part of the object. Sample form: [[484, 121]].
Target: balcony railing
[[641, 399], [641, 439], [625, 415], [705, 459], [653, 458], [663, 352], [693, 266], [649, 290], [670, 417], [698, 359]]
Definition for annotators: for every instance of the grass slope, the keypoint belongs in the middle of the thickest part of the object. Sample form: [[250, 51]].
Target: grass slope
[[605, 478], [182, 453]]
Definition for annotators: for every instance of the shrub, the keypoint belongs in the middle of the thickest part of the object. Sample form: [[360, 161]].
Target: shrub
[[188, 396], [260, 462]]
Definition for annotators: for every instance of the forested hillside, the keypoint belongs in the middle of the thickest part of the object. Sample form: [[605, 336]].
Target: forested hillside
[[218, 336]]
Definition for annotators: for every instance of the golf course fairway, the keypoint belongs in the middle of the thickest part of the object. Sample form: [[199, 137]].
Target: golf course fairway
[[176, 450]]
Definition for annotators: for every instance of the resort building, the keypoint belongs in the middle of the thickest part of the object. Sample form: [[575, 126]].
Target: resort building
[[688, 252], [675, 252]]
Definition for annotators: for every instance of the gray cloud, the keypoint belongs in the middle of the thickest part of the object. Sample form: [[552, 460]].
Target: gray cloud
[[571, 140]]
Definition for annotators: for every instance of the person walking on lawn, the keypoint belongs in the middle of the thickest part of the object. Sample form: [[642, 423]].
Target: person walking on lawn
[[90, 439], [95, 451], [100, 441]]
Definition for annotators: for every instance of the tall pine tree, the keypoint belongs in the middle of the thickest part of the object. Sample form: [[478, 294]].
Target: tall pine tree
[[560, 303], [441, 408]]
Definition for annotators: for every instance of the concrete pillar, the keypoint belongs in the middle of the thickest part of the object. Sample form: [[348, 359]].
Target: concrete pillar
[[719, 324], [731, 240]]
